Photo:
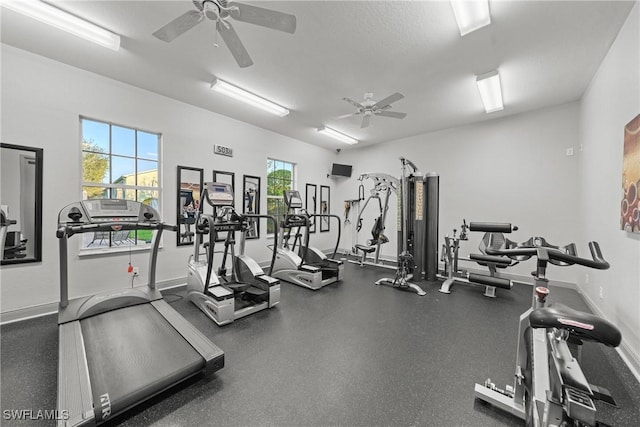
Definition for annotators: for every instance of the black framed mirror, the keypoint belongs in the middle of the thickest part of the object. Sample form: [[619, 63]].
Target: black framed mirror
[[226, 178], [251, 203], [190, 182], [311, 197], [21, 204], [325, 208]]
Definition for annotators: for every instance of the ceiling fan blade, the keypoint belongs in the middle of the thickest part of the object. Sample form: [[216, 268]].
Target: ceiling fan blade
[[345, 116], [231, 39], [394, 114], [365, 121], [388, 100], [263, 17], [179, 26], [354, 103]]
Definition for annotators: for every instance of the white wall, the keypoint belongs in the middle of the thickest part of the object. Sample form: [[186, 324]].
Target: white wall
[[41, 104], [611, 101], [10, 176], [513, 169]]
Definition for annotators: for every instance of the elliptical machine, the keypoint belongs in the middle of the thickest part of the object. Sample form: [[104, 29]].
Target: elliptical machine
[[249, 290], [309, 267], [550, 388]]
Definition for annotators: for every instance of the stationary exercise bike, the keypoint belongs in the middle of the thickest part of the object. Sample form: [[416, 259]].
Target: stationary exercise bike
[[494, 239], [550, 388], [249, 289]]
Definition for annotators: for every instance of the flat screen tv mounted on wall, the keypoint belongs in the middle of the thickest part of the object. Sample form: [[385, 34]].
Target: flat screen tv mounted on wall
[[341, 170]]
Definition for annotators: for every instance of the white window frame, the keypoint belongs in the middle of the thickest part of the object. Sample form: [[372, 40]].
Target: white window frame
[[293, 184], [109, 187]]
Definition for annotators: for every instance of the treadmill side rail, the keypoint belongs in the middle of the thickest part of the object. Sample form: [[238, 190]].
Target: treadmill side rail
[[212, 354], [74, 389]]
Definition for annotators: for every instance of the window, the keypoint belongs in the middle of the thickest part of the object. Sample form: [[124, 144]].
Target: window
[[119, 163], [280, 177]]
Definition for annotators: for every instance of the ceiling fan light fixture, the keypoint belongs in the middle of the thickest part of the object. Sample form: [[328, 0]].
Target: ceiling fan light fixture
[[249, 98], [471, 15], [490, 91], [337, 135], [58, 18]]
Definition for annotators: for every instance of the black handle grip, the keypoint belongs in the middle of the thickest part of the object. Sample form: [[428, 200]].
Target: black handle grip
[[491, 259], [598, 261], [498, 282], [492, 227]]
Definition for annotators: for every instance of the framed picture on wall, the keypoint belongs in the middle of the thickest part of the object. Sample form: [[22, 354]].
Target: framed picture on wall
[[311, 191], [251, 203], [325, 208], [189, 188], [226, 178], [629, 207]]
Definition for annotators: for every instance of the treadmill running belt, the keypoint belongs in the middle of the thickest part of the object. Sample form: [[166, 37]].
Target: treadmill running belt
[[133, 353]]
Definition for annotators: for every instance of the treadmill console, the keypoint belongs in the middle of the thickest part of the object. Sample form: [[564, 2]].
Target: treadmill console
[[219, 194], [97, 211], [292, 199]]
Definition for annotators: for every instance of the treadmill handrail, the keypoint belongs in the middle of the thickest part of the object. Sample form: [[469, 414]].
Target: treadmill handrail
[[70, 229], [66, 231]]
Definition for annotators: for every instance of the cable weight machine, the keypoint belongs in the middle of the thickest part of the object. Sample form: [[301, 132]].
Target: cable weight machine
[[417, 229]]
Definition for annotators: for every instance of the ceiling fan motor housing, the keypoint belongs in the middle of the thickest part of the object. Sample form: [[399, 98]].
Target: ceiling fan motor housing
[[211, 10]]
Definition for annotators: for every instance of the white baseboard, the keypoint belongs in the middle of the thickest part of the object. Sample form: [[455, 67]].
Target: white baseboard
[[626, 352], [52, 307]]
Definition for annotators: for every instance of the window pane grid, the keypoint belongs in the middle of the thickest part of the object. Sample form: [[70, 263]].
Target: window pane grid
[[280, 177], [114, 166]]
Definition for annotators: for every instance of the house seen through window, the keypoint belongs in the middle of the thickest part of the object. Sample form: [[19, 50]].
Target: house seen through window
[[119, 163]]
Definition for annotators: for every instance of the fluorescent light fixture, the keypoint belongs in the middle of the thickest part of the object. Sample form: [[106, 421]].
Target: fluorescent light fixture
[[490, 91], [55, 17], [471, 14], [337, 135], [247, 97]]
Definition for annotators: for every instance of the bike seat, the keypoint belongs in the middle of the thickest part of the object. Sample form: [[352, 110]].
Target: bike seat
[[585, 326], [367, 249]]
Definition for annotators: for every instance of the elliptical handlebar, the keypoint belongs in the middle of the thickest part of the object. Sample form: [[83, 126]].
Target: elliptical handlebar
[[547, 253], [335, 250], [275, 234]]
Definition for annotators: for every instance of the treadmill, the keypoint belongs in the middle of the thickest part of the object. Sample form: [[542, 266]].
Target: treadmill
[[120, 348]]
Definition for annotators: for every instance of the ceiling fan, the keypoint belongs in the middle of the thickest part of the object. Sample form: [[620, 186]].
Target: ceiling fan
[[368, 108], [221, 12]]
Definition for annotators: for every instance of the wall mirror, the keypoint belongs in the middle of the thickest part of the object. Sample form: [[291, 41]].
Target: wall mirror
[[21, 204], [251, 203], [189, 188], [325, 208], [227, 178], [311, 191]]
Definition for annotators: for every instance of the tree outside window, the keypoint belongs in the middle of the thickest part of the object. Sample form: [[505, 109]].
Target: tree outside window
[[119, 163], [280, 177]]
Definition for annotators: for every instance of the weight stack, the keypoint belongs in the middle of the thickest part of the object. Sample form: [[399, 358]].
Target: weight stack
[[432, 189]]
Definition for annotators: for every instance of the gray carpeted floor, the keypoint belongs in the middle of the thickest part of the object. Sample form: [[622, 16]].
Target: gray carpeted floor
[[350, 354]]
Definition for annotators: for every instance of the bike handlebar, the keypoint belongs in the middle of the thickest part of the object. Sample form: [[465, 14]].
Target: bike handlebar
[[546, 253]]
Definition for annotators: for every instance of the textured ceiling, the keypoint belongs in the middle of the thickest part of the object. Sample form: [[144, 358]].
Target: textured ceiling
[[547, 53]]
